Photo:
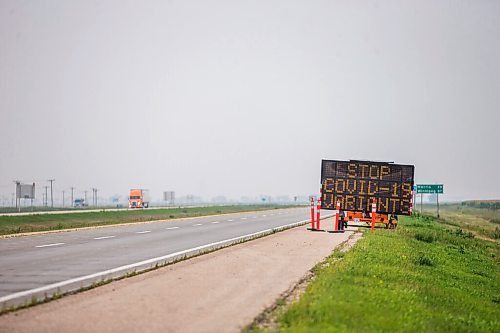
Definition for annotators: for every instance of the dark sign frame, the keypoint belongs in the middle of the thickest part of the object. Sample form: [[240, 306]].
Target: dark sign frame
[[356, 184]]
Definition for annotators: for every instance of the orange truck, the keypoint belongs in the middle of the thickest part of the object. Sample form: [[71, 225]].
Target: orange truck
[[138, 198]]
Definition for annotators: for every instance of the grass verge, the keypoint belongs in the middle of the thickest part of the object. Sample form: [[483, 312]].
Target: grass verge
[[422, 277], [46, 222]]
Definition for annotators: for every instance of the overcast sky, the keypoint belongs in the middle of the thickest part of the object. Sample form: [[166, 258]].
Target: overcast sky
[[242, 98]]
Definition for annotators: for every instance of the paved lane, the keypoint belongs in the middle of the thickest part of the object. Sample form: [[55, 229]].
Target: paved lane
[[33, 262]]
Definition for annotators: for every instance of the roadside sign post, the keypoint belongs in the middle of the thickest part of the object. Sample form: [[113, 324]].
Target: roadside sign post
[[430, 189], [437, 201], [421, 203]]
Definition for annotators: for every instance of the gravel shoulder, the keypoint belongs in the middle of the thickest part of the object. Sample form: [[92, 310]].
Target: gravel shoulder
[[218, 292]]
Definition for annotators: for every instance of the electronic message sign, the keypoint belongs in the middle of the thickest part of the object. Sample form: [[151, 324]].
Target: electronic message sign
[[356, 184]]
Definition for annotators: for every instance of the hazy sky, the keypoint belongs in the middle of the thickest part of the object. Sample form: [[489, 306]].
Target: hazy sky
[[246, 97]]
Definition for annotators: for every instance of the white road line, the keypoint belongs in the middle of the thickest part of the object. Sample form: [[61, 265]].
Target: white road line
[[197, 224], [172, 228], [264, 215], [49, 245], [215, 222], [140, 263], [137, 264], [254, 217], [104, 237], [243, 218], [230, 220], [143, 232]]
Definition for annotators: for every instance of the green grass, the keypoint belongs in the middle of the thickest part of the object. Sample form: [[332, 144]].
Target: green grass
[[422, 277], [483, 223], [44, 222]]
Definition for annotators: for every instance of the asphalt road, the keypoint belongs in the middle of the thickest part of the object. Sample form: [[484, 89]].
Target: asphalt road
[[39, 265]]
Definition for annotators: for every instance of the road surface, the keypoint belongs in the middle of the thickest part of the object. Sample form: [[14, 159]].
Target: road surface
[[44, 264]]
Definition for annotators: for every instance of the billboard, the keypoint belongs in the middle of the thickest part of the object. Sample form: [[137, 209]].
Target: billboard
[[169, 196], [355, 184], [25, 191]]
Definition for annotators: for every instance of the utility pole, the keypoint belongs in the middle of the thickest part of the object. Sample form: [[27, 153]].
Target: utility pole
[[51, 193], [63, 198], [72, 201], [46, 202], [85, 197]]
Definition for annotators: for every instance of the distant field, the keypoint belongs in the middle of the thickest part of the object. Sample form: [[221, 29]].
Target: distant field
[[482, 222], [422, 277], [45, 222]]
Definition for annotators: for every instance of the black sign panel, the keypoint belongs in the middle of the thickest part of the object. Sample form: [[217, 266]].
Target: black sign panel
[[356, 184]]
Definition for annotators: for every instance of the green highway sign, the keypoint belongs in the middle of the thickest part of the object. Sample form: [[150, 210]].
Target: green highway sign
[[429, 188]]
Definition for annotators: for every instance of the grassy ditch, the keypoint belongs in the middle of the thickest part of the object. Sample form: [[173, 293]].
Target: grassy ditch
[[44, 222], [482, 222], [421, 277]]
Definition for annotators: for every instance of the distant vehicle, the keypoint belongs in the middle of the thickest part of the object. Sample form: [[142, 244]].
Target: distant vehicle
[[138, 198], [79, 202]]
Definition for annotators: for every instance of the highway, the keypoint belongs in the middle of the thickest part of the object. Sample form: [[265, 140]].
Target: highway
[[38, 265]]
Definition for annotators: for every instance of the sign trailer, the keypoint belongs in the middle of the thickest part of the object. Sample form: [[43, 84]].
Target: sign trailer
[[367, 186]]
